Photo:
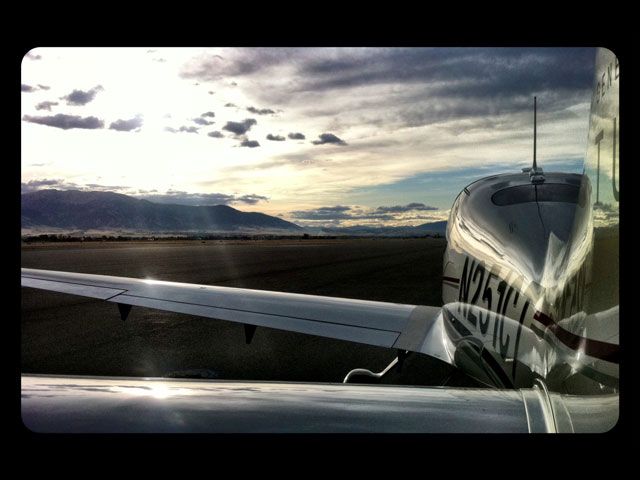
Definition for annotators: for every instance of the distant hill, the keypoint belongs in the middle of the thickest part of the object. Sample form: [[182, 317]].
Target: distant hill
[[81, 210], [434, 228]]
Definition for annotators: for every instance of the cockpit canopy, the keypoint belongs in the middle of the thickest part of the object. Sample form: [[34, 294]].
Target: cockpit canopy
[[545, 192]]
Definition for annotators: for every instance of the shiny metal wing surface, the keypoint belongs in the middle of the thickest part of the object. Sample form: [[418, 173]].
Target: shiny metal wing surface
[[407, 327]]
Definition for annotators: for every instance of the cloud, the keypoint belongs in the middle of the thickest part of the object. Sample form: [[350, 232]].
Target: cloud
[[170, 196], [240, 128], [276, 138], [32, 56], [260, 111], [66, 122], [45, 105], [251, 199], [182, 129], [235, 62], [499, 71], [353, 215], [159, 60], [296, 136], [185, 198], [208, 114], [211, 93], [33, 185], [60, 184], [202, 121], [417, 86], [215, 134], [249, 143], [339, 212], [80, 97], [329, 138], [406, 208], [29, 88], [127, 125], [230, 105]]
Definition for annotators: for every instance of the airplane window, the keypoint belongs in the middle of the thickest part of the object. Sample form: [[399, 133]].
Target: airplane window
[[547, 192]]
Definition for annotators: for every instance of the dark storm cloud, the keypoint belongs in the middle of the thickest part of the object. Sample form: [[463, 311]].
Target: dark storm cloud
[[202, 121], [208, 114], [240, 128], [66, 121], [249, 143], [215, 134], [80, 97], [296, 136], [260, 111], [46, 105], [127, 125], [329, 138], [405, 208], [182, 129], [185, 198], [275, 138]]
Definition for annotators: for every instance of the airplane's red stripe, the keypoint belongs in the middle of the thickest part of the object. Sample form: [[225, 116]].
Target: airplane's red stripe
[[594, 348], [451, 279]]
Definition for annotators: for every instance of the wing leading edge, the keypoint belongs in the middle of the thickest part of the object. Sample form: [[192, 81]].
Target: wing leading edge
[[407, 327]]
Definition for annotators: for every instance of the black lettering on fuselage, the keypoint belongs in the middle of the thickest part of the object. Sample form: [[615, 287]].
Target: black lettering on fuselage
[[465, 283], [479, 269]]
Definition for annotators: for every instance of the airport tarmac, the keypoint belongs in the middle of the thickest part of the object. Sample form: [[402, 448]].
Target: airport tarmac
[[65, 334]]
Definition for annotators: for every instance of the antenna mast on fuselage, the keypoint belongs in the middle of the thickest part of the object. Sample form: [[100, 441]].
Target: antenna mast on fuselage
[[535, 166], [535, 174]]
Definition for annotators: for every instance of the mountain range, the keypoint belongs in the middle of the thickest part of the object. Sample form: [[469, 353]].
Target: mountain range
[[82, 210], [75, 210]]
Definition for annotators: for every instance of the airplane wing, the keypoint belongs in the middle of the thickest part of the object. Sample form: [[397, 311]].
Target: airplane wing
[[404, 327]]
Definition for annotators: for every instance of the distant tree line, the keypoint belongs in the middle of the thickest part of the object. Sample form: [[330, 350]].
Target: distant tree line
[[49, 237]]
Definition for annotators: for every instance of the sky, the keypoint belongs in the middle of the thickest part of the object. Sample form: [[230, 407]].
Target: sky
[[317, 136]]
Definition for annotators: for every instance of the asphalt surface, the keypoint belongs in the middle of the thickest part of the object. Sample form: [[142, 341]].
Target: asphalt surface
[[65, 334]]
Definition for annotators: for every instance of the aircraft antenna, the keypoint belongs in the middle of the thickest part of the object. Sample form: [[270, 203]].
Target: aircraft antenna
[[535, 166], [535, 174]]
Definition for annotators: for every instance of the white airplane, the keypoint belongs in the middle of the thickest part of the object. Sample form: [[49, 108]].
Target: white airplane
[[521, 315]]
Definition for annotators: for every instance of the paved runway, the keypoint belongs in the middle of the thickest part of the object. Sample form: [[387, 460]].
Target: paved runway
[[65, 334]]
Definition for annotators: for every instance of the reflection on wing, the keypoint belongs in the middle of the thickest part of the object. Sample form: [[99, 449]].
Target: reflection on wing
[[406, 327]]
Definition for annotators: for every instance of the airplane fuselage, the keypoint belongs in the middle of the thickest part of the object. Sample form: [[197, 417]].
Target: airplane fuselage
[[516, 281]]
